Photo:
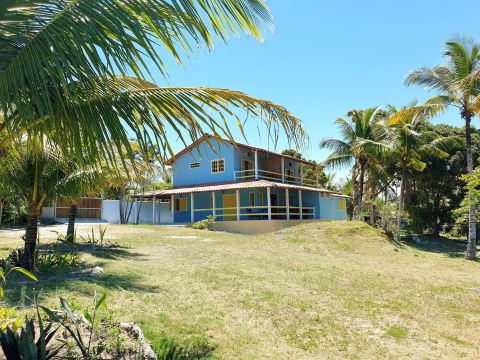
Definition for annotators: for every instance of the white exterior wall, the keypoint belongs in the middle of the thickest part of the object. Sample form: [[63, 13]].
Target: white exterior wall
[[48, 212], [111, 212]]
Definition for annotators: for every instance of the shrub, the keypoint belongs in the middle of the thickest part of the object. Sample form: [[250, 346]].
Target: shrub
[[206, 224], [388, 218], [56, 262]]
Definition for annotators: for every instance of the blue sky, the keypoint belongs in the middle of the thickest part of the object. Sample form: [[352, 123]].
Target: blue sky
[[326, 57]]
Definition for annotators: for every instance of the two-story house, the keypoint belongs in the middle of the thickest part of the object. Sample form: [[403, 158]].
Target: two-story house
[[237, 182]]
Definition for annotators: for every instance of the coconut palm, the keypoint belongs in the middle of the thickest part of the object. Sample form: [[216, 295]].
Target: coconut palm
[[38, 171], [412, 145], [77, 71], [457, 83], [360, 145]]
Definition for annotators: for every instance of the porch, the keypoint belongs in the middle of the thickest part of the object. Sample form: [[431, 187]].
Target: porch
[[239, 201], [264, 165]]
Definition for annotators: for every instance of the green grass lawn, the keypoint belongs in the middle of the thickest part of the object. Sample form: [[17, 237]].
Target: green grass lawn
[[314, 291]]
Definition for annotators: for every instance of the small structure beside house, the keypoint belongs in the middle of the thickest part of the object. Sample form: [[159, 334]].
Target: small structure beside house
[[237, 183]]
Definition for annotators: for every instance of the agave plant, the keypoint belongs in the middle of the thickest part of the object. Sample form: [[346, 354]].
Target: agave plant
[[26, 345]]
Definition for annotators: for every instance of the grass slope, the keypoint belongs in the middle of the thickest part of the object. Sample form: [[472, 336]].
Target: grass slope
[[314, 291]]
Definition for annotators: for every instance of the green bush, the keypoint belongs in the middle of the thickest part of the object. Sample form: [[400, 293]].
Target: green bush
[[388, 218], [56, 262], [206, 224]]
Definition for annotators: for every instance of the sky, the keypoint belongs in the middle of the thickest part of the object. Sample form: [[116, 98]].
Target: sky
[[327, 57]]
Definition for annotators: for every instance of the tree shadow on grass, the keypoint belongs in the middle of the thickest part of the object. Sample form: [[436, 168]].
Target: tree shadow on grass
[[102, 252], [454, 248], [19, 290]]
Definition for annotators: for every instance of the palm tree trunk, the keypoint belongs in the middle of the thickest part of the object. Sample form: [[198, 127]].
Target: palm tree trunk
[[373, 215], [401, 201], [72, 214], [472, 211], [360, 190], [28, 258]]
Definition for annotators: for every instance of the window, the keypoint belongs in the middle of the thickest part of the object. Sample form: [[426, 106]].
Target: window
[[342, 205], [261, 199], [194, 165], [218, 166], [181, 204], [251, 199]]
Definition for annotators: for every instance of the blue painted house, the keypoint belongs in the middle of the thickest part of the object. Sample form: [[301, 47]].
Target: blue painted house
[[236, 182]]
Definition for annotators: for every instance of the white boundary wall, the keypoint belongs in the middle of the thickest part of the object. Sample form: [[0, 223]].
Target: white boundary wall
[[111, 212]]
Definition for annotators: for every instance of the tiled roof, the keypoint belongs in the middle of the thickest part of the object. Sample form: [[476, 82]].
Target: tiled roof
[[234, 186], [253, 148]]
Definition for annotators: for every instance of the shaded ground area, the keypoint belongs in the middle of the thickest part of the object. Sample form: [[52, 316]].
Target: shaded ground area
[[314, 291]]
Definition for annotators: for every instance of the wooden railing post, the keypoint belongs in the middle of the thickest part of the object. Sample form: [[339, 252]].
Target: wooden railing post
[[287, 203], [213, 204], [153, 210], [256, 165], [269, 204], [300, 203], [192, 205], [237, 196]]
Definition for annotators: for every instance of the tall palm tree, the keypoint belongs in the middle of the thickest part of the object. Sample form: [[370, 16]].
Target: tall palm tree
[[360, 145], [412, 145], [77, 71], [457, 83]]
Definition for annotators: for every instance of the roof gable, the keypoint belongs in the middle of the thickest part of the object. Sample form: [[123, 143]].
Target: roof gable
[[197, 143]]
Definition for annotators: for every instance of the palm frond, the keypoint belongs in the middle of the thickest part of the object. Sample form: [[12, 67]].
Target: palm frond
[[46, 46], [105, 119], [336, 162]]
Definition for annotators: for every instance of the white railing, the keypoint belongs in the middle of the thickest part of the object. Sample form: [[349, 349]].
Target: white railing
[[294, 211], [243, 175]]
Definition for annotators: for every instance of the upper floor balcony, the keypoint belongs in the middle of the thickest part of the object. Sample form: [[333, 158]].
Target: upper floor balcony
[[275, 167]]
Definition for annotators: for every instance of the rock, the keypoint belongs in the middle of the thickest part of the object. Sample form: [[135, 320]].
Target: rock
[[97, 270], [136, 332]]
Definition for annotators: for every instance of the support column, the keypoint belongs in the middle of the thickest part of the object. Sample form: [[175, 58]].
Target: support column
[[301, 174], [237, 195], [214, 210], [136, 211], [256, 164], [192, 205], [153, 210], [319, 204], [300, 203], [172, 207], [55, 210], [269, 204], [287, 203], [283, 169]]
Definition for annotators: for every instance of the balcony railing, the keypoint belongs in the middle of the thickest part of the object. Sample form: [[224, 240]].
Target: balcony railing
[[244, 175], [262, 212]]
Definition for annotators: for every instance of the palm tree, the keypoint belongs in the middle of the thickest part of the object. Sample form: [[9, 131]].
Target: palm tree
[[36, 169], [78, 182], [412, 145], [77, 71], [360, 145], [457, 83]]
